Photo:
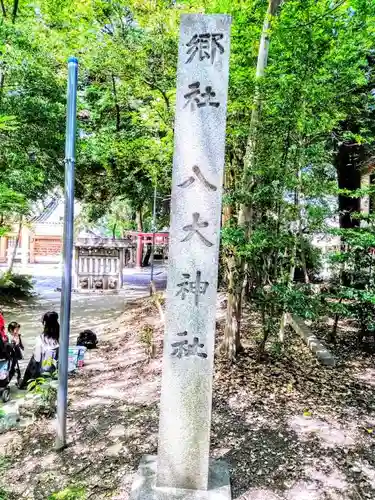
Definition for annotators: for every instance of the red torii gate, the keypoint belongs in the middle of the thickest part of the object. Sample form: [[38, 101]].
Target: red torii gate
[[143, 239]]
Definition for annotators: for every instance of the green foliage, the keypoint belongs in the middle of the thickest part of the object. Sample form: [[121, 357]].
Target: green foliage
[[15, 286], [146, 335], [32, 94], [316, 96], [37, 386], [353, 278], [12, 204], [4, 464], [8, 123], [32, 115], [300, 300], [158, 298], [46, 395], [70, 493], [4, 495]]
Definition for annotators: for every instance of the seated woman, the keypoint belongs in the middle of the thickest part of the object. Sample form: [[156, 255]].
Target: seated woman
[[46, 350]]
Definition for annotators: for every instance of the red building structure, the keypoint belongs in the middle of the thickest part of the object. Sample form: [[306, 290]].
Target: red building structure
[[144, 239]]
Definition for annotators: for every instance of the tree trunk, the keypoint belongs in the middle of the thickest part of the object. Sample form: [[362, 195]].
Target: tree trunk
[[282, 327], [245, 218], [2, 78], [117, 106], [348, 161], [3, 10], [297, 204], [303, 258], [266, 331], [227, 214], [246, 210], [333, 333], [15, 10], [231, 344], [16, 244], [300, 233], [283, 321], [139, 220], [237, 268]]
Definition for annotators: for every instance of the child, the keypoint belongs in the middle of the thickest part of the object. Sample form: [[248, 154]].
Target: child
[[15, 342], [15, 338]]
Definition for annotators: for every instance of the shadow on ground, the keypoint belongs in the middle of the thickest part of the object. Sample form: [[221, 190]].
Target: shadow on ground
[[289, 428]]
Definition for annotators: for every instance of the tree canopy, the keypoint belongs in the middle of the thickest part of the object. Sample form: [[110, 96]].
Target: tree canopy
[[300, 129]]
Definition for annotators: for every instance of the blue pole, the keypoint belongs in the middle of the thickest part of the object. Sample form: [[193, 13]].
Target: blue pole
[[66, 292], [153, 240]]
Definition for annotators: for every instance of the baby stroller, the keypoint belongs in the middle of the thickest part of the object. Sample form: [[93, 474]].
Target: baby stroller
[[5, 367], [8, 367]]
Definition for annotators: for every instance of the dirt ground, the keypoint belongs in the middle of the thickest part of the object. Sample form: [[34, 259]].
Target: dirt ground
[[289, 428]]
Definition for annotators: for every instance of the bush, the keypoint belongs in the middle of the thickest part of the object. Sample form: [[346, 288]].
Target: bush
[[70, 493], [15, 286], [146, 337], [353, 279], [41, 400], [3, 494]]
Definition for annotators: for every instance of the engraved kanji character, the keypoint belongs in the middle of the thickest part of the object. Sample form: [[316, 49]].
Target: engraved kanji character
[[180, 348], [196, 287], [200, 177], [184, 287], [207, 96], [215, 37], [193, 349], [206, 45], [194, 97], [193, 228]]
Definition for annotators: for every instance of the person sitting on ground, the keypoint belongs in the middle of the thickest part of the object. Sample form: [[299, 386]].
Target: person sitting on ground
[[45, 356]]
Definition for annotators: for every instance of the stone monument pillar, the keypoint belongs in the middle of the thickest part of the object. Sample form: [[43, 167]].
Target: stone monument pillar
[[182, 468]]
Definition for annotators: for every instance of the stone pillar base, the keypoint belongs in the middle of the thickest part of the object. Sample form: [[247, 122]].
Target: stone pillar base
[[144, 485]]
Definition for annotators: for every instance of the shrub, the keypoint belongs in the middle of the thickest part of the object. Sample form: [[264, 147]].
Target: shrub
[[353, 279], [146, 337], [70, 493], [44, 398], [3, 494], [15, 286]]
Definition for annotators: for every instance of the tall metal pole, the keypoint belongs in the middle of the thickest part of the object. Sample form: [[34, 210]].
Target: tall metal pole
[[153, 241], [62, 395]]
